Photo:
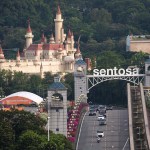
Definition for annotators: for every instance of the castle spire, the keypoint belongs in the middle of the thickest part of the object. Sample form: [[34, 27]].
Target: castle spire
[[52, 38], [78, 52], [1, 53], [58, 10], [43, 38], [69, 34], [18, 53], [29, 28], [18, 58]]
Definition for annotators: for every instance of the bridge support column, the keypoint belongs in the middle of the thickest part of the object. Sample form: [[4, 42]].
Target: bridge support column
[[80, 79], [57, 107]]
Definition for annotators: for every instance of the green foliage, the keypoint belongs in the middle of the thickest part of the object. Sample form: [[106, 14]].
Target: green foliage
[[110, 59], [7, 136], [23, 130]]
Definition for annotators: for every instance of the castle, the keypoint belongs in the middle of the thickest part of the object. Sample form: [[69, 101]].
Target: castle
[[57, 55]]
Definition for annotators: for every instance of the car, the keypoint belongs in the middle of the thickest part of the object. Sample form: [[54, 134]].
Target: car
[[100, 117], [100, 133], [102, 112], [109, 108], [102, 121], [92, 113]]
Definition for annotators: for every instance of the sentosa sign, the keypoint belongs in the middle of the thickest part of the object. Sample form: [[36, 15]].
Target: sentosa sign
[[116, 72]]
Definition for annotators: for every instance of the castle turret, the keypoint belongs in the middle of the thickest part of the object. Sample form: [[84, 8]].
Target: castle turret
[[78, 54], [58, 26], [18, 63], [52, 39], [68, 42], [43, 39], [18, 56], [2, 57], [41, 71], [29, 36]]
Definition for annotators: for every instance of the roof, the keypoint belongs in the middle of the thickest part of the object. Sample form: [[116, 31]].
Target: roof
[[148, 60], [45, 47], [80, 62], [57, 86], [29, 28], [28, 95], [58, 10]]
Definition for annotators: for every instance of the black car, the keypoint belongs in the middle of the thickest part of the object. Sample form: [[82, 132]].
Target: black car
[[109, 108], [92, 113]]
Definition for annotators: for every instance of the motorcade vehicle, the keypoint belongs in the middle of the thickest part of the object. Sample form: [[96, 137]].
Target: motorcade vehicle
[[109, 108], [92, 113], [102, 111], [100, 133], [102, 121], [100, 117], [98, 139]]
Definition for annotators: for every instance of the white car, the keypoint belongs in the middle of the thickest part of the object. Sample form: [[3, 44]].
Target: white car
[[100, 133], [100, 117]]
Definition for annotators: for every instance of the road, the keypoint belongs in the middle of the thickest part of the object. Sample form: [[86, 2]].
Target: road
[[116, 132]]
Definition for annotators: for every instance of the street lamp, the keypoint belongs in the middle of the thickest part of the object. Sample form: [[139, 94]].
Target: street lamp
[[48, 127], [48, 118]]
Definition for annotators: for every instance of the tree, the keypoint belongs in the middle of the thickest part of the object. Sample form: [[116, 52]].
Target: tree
[[110, 59], [30, 140], [7, 136]]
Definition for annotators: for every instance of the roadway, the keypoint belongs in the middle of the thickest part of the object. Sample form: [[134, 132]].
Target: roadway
[[116, 132]]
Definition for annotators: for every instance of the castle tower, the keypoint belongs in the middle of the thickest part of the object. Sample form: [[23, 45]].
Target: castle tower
[[2, 57], [29, 36], [57, 107], [58, 26], [147, 72]]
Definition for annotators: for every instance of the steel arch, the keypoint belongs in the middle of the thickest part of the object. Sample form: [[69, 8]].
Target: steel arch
[[94, 80]]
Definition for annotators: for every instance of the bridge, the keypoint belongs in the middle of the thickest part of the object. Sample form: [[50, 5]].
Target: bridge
[[135, 135]]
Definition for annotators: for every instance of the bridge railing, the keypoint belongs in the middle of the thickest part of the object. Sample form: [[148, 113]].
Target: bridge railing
[[138, 121], [130, 117], [147, 130]]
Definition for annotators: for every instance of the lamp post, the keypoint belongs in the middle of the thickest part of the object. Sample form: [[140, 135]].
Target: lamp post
[[48, 118], [48, 127]]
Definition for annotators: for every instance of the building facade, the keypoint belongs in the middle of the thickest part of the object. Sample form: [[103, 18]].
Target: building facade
[[138, 43], [56, 55]]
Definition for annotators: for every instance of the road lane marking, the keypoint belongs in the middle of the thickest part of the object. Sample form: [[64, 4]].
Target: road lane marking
[[92, 134], [80, 131]]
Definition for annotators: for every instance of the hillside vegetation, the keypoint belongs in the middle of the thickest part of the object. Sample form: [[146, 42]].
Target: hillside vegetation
[[102, 24]]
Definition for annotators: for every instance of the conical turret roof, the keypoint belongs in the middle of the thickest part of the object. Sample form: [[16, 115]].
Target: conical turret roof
[[58, 10], [29, 28]]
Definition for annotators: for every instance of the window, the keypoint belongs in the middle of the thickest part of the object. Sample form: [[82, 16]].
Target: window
[[57, 129]]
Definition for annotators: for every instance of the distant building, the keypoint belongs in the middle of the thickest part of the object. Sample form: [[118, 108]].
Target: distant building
[[21, 98], [138, 43], [56, 55]]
